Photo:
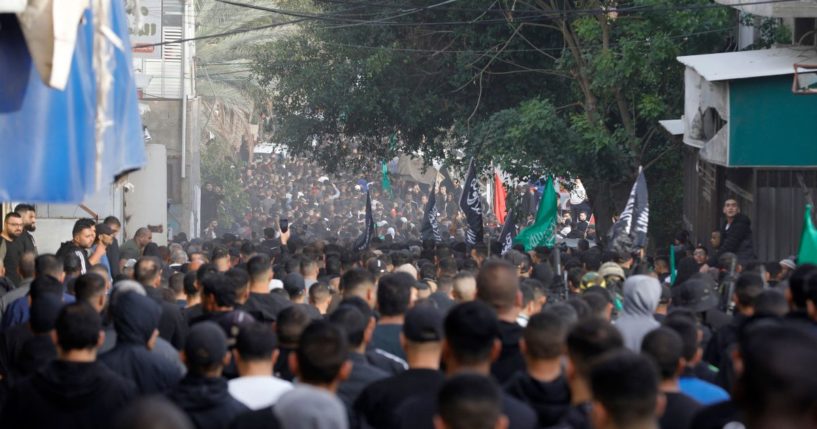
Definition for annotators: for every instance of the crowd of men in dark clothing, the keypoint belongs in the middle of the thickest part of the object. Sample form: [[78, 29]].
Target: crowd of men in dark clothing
[[321, 205], [297, 333]]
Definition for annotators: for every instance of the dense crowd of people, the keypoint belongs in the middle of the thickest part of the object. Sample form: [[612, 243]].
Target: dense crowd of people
[[331, 206], [294, 330], [321, 206]]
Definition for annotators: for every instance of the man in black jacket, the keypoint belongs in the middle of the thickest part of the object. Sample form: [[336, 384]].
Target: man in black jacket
[[113, 249], [83, 238], [543, 384], [172, 326], [422, 341], [29, 215], [358, 328], [586, 342], [74, 391], [26, 348], [203, 393], [471, 342], [498, 286], [11, 249], [263, 305], [736, 233]]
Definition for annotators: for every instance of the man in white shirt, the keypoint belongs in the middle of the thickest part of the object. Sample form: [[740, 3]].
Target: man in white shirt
[[255, 355]]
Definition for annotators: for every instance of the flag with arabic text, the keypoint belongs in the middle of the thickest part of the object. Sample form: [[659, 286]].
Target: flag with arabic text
[[471, 206]]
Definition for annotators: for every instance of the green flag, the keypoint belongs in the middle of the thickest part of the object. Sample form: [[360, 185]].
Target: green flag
[[672, 273], [543, 230], [808, 242], [385, 182]]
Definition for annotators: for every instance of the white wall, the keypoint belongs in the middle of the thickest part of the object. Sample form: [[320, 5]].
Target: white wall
[[55, 221], [146, 204]]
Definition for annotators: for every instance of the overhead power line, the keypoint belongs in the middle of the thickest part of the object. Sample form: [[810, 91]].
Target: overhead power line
[[228, 33], [467, 51], [304, 17], [249, 29], [500, 10], [529, 15]]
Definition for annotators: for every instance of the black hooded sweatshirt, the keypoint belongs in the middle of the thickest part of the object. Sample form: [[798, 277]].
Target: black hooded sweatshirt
[[67, 395], [550, 400], [510, 358], [206, 401], [135, 317]]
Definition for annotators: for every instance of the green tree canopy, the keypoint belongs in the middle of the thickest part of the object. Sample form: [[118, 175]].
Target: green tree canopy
[[569, 87]]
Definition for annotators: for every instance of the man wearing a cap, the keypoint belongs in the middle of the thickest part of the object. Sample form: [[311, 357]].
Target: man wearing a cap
[[203, 393], [295, 285], [786, 267], [699, 294], [472, 341], [611, 269], [113, 249], [422, 341], [614, 277], [99, 251]]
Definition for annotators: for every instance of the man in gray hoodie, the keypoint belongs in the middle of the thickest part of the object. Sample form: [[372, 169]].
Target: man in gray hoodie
[[641, 296]]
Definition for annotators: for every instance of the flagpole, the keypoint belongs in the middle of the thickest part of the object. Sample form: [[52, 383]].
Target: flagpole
[[558, 262], [462, 194], [492, 205]]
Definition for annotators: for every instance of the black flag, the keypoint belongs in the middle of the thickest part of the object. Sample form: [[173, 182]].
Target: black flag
[[362, 242], [508, 233], [431, 229], [471, 205], [629, 233]]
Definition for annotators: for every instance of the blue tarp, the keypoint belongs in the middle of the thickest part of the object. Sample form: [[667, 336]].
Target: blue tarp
[[47, 137]]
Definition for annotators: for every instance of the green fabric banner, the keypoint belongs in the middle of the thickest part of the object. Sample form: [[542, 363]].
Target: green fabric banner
[[543, 230], [385, 181], [808, 241]]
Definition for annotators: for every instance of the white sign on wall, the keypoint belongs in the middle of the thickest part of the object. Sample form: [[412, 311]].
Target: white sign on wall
[[145, 27]]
